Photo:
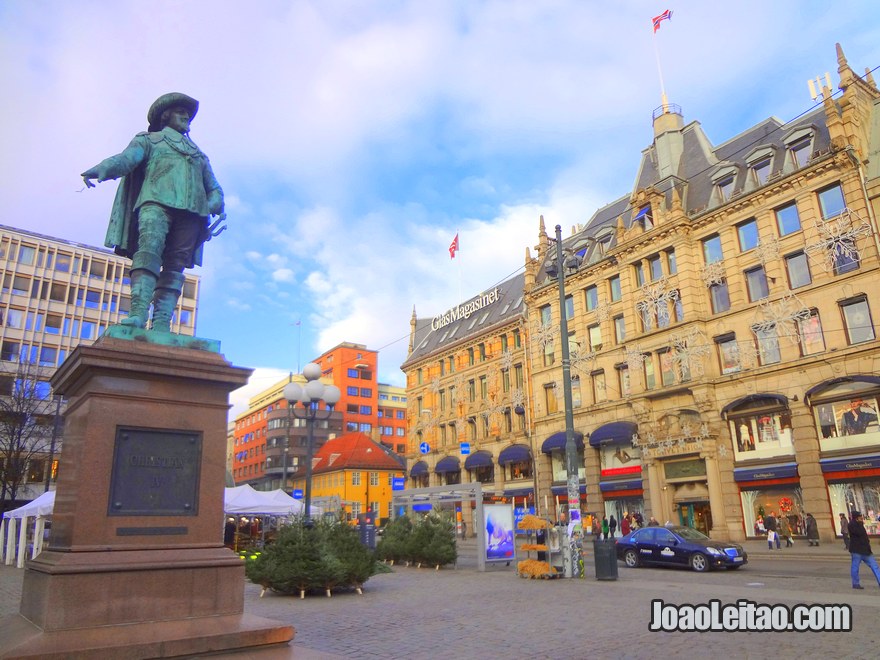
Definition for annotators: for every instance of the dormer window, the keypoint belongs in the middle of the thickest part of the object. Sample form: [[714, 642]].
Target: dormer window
[[800, 152], [761, 171], [723, 179], [644, 218], [725, 188]]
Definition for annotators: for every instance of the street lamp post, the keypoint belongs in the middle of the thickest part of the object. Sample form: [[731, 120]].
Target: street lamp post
[[571, 457], [310, 396]]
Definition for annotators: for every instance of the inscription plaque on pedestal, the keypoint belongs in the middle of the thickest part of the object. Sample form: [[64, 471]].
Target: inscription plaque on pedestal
[[155, 473]]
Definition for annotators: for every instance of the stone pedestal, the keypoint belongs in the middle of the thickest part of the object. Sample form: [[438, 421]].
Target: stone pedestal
[[136, 566]]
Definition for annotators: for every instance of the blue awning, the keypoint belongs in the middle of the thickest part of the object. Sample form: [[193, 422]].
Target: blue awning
[[611, 486], [615, 433], [518, 492], [756, 400], [514, 454], [477, 460], [557, 441], [447, 464], [850, 463], [780, 471], [419, 469], [563, 490], [821, 387]]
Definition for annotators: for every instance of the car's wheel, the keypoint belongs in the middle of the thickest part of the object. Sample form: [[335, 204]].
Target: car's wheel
[[699, 562], [631, 558]]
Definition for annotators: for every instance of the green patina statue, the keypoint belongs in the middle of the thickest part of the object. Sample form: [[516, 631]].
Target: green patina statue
[[160, 215]]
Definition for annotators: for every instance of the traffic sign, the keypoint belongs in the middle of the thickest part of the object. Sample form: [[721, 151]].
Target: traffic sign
[[425, 448], [397, 483], [297, 494], [465, 448]]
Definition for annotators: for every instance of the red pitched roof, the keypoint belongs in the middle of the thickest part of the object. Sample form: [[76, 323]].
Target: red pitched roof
[[352, 451]]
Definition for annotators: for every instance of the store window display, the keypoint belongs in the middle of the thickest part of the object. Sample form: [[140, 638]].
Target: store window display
[[768, 433], [848, 422]]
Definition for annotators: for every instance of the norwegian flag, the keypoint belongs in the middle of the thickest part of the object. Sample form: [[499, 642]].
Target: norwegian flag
[[665, 16], [453, 247]]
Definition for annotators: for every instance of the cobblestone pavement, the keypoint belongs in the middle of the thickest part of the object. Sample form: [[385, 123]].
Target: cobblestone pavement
[[462, 613]]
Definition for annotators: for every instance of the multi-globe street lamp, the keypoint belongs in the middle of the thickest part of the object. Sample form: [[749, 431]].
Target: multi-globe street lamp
[[571, 456], [310, 396]]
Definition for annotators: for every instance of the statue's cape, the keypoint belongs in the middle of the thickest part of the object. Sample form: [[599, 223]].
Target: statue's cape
[[122, 232]]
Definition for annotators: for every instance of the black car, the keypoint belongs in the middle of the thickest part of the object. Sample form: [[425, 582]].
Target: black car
[[678, 546]]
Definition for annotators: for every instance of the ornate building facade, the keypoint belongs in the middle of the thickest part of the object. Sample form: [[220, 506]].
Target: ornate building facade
[[724, 353]]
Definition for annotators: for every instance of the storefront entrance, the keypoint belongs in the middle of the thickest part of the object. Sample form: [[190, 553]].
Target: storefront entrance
[[695, 514]]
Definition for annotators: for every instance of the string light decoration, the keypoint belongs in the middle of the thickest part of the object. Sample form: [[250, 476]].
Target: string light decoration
[[583, 361], [544, 334], [838, 239], [603, 311], [517, 398], [713, 273], [634, 357], [689, 349], [655, 301], [506, 361], [767, 250], [435, 384], [782, 315]]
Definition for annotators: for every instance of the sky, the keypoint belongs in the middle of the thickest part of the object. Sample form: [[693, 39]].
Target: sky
[[355, 138]]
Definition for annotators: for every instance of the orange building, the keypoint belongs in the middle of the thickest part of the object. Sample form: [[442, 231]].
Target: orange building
[[352, 368], [355, 473]]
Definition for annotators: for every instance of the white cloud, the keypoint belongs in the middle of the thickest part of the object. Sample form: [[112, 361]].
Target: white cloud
[[283, 275]]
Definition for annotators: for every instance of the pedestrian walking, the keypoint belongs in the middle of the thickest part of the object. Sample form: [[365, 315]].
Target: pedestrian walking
[[860, 549], [652, 522], [772, 530], [785, 530], [625, 526], [612, 526], [812, 530], [605, 528], [844, 530]]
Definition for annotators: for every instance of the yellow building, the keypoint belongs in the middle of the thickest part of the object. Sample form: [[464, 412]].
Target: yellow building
[[354, 472], [724, 357]]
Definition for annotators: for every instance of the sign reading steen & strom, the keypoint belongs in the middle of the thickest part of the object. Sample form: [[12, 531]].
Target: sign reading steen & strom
[[464, 310], [155, 473]]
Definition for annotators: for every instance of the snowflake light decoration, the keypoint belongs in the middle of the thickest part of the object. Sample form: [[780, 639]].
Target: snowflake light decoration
[[435, 384], [746, 355], [506, 361], [688, 352], [838, 239], [704, 431], [686, 430], [603, 311], [516, 397], [767, 250], [583, 361], [713, 273], [655, 301], [460, 393], [636, 441], [634, 358], [543, 335], [782, 316], [722, 450]]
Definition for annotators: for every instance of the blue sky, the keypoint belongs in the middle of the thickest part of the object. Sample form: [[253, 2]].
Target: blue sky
[[353, 139]]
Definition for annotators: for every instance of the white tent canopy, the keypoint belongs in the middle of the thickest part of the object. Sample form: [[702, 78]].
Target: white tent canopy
[[244, 500], [42, 506]]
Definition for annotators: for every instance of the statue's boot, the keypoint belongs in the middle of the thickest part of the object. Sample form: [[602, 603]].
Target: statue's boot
[[144, 273], [167, 292]]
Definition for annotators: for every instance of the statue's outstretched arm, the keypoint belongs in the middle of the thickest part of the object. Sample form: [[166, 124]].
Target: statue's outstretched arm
[[118, 165]]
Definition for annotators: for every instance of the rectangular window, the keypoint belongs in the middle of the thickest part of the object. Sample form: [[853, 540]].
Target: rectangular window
[[353, 373], [26, 255], [9, 351], [62, 262], [650, 376], [810, 332], [619, 330], [798, 269], [748, 235], [761, 170], [93, 299], [374, 478], [355, 478], [591, 296], [569, 307], [728, 354], [800, 152], [575, 392], [614, 285], [88, 330], [725, 187], [550, 399], [351, 390], [595, 334], [671, 263], [484, 388], [623, 380], [857, 316], [712, 249], [15, 318], [366, 410], [53, 324], [831, 202], [655, 267], [719, 297], [472, 390], [667, 368], [846, 256], [756, 280], [787, 219], [58, 292], [599, 392], [768, 346], [640, 274], [48, 356], [21, 285], [645, 218]]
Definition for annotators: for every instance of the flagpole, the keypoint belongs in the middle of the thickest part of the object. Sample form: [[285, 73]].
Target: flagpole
[[458, 234], [663, 100]]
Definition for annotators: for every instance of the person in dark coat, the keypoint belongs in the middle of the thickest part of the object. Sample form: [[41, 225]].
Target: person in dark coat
[[844, 530], [812, 530], [785, 530], [860, 549], [772, 530], [612, 526]]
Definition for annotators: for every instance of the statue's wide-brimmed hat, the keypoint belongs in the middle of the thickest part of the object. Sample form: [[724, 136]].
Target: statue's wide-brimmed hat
[[166, 101]]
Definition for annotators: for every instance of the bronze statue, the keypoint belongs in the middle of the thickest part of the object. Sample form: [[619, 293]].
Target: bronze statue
[[160, 215]]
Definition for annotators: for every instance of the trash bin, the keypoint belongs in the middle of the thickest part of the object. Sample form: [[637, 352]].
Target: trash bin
[[606, 559]]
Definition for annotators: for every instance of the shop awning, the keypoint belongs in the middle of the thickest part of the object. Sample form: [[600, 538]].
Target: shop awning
[[514, 454], [447, 464], [518, 492], [756, 400], [850, 463], [779, 471], [828, 384], [477, 460], [611, 486], [557, 442], [615, 433], [419, 469]]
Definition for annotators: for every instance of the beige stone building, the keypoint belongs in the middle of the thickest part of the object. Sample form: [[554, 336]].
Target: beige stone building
[[724, 353]]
